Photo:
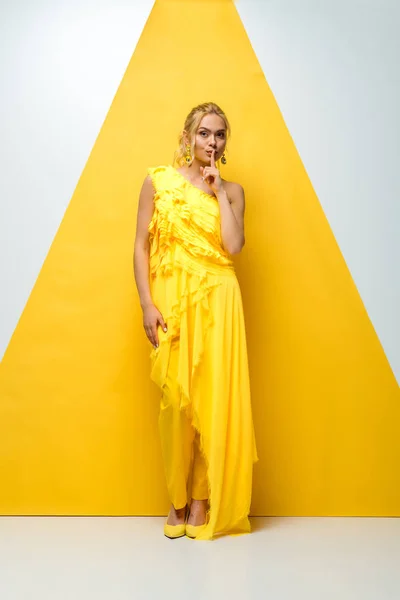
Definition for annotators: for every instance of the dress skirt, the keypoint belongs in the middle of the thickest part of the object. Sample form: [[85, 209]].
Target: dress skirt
[[205, 353]]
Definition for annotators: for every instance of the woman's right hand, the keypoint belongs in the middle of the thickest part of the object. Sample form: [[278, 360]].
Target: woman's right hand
[[151, 319]]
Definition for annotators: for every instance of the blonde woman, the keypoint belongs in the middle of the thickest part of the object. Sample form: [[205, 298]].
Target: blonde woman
[[190, 221]]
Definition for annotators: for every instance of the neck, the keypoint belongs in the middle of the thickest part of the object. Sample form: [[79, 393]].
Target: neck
[[194, 168]]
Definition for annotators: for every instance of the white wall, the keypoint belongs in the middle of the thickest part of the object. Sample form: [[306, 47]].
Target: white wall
[[60, 68], [332, 67]]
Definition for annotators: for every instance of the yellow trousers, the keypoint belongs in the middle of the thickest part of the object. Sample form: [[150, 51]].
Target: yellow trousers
[[184, 464]]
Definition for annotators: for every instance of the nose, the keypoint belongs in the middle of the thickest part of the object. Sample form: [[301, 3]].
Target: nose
[[213, 143]]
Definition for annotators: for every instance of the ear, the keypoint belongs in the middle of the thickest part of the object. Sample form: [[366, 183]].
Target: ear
[[185, 138]]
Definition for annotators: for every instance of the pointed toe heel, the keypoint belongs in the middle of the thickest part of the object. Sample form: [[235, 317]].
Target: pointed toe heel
[[174, 531], [193, 531]]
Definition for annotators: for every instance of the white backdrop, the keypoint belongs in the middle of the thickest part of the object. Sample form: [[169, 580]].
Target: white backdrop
[[332, 66]]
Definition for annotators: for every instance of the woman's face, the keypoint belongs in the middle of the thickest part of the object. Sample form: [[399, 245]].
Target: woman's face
[[210, 135]]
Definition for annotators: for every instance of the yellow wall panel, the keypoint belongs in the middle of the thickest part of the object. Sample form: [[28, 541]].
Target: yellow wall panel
[[78, 413]]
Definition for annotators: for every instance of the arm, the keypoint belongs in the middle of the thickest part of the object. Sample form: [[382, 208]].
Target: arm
[[142, 246], [231, 208], [151, 315], [232, 218]]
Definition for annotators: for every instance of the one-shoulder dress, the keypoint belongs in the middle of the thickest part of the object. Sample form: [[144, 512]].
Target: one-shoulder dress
[[194, 285]]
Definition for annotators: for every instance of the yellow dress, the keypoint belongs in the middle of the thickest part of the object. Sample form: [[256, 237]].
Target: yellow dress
[[193, 283]]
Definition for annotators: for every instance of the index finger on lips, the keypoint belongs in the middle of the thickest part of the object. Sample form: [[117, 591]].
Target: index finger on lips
[[213, 158]]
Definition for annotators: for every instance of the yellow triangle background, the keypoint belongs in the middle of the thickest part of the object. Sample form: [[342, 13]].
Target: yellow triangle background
[[78, 413]]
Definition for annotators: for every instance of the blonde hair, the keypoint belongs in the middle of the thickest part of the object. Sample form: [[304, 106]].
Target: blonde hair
[[191, 125]]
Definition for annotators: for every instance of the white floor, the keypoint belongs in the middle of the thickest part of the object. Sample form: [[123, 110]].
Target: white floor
[[120, 558]]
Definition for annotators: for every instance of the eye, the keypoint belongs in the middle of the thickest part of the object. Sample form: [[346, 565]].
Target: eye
[[221, 134], [203, 133]]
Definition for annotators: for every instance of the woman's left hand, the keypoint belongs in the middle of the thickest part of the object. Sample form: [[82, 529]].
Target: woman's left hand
[[211, 176]]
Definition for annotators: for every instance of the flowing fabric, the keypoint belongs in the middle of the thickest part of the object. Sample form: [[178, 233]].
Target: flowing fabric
[[194, 285]]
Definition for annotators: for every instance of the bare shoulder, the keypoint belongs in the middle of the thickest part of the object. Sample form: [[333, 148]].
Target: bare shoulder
[[148, 186], [147, 192], [148, 182], [234, 190]]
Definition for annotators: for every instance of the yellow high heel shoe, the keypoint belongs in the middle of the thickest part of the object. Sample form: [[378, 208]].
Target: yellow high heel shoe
[[175, 531], [192, 531]]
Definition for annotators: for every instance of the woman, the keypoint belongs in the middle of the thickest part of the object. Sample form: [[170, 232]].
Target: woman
[[189, 222]]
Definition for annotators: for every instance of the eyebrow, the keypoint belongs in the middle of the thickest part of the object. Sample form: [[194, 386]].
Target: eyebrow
[[218, 130]]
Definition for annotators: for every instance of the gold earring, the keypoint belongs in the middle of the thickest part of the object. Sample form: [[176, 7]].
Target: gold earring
[[223, 159], [188, 157]]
